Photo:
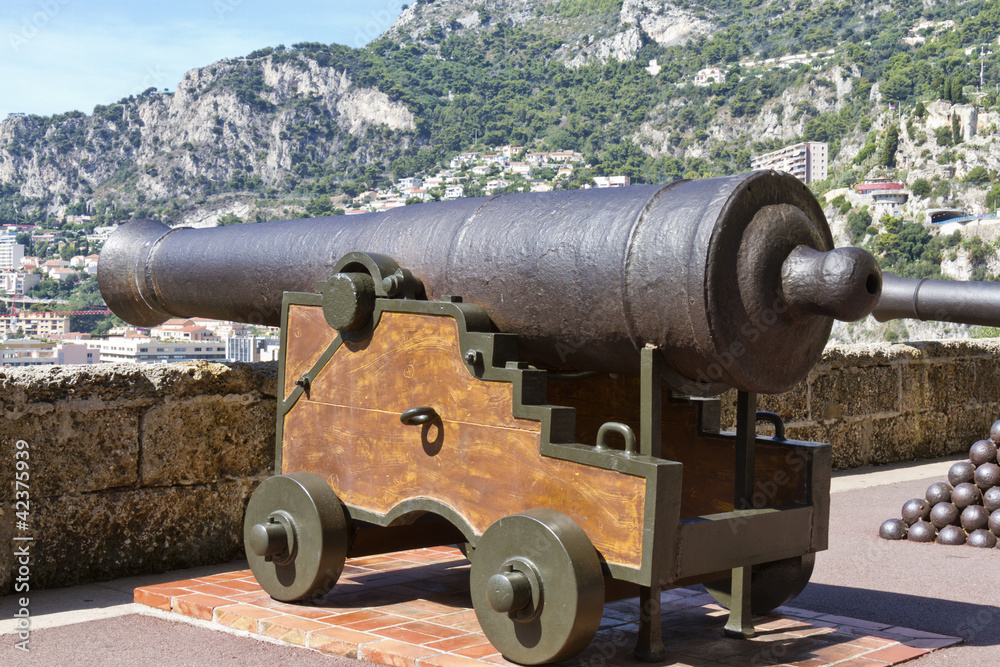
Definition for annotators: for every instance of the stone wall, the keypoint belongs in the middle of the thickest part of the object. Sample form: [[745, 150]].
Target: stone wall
[[146, 468], [132, 468], [881, 403]]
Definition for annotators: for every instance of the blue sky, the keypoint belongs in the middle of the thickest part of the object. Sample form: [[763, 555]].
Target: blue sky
[[64, 55]]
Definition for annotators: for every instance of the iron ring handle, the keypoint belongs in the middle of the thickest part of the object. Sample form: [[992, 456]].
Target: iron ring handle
[[420, 415], [621, 429], [775, 419]]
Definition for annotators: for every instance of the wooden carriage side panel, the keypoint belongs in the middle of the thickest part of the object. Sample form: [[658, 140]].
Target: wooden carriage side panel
[[781, 473], [479, 460], [307, 337]]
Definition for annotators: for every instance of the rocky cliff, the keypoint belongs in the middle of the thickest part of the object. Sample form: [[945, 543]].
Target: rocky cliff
[[255, 124]]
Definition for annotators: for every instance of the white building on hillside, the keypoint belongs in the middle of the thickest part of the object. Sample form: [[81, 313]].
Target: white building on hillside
[[11, 253], [808, 161]]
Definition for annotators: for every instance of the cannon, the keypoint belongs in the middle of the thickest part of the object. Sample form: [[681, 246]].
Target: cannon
[[531, 376]]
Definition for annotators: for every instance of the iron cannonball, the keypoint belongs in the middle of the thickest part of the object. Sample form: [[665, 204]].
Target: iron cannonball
[[961, 472], [987, 476], [944, 514], [994, 523], [915, 509], [966, 494], [974, 517], [991, 499], [953, 535], [983, 539], [922, 531], [995, 432], [939, 492], [984, 451], [892, 529]]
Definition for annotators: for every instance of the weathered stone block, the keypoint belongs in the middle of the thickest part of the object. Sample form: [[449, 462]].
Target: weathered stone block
[[952, 383], [207, 438], [76, 448], [842, 393], [100, 536]]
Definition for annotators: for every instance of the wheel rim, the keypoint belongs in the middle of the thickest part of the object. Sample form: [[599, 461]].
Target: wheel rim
[[771, 584], [296, 536], [537, 587]]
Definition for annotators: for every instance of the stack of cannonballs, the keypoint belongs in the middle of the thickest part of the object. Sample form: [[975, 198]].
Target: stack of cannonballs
[[965, 510]]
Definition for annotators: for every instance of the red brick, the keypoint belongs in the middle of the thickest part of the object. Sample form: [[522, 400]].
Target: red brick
[[894, 654], [158, 598], [479, 651], [393, 653], [216, 578], [453, 644], [381, 621], [448, 661], [433, 629], [242, 616], [242, 585], [198, 605], [872, 642], [338, 641], [305, 611], [214, 589], [400, 633], [289, 629]]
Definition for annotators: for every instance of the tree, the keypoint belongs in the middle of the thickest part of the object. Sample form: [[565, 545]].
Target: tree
[[887, 156], [858, 223], [956, 129], [921, 187], [919, 110], [229, 219]]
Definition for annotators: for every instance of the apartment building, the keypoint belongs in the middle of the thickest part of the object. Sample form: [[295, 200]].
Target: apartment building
[[35, 325], [21, 353], [808, 161], [150, 350], [11, 253]]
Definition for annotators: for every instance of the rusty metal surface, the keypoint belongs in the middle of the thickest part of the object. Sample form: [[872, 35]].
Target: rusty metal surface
[[586, 278], [972, 302]]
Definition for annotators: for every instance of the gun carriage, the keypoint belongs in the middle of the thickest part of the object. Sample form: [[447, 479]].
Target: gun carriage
[[526, 375]]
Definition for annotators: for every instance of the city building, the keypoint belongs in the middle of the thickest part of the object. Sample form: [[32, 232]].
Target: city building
[[887, 197], [150, 350], [708, 76], [611, 181], [808, 161], [35, 325], [181, 329], [16, 282], [11, 253], [252, 348], [24, 352]]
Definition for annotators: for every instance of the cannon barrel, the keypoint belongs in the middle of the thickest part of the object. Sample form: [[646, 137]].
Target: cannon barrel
[[971, 302], [734, 279]]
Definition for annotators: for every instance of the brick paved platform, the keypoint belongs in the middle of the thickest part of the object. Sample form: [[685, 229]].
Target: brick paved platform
[[412, 609]]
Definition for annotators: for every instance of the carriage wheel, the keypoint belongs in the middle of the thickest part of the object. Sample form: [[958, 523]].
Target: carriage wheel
[[296, 536], [537, 587], [771, 584]]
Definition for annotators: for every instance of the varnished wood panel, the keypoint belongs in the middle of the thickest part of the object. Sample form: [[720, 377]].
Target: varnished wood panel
[[411, 361], [306, 339], [709, 459], [479, 460]]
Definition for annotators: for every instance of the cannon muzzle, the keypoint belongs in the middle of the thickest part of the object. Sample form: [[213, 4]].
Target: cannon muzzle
[[972, 302], [735, 280]]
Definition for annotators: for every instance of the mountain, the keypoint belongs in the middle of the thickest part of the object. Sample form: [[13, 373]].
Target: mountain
[[651, 89]]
